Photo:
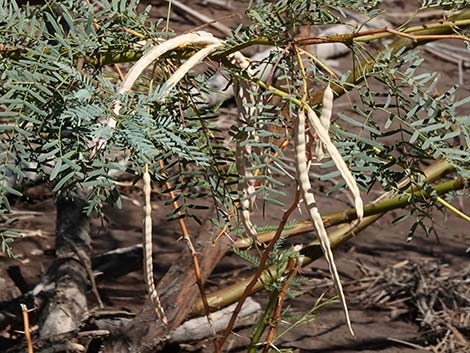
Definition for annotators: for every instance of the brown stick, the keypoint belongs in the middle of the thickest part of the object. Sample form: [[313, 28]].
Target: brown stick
[[260, 269], [27, 333], [196, 266], [292, 268]]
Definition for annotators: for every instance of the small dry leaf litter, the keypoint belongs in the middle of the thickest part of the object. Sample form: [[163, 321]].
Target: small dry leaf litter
[[428, 293]]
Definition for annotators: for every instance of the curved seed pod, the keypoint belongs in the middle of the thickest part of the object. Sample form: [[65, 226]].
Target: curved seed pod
[[245, 190], [246, 101], [200, 38], [338, 160], [310, 204], [148, 260], [188, 65], [325, 118], [194, 38]]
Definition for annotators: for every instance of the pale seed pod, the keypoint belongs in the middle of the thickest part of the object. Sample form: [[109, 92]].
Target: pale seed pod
[[310, 205], [147, 243]]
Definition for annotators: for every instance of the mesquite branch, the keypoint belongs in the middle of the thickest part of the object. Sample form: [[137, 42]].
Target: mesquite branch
[[338, 236]]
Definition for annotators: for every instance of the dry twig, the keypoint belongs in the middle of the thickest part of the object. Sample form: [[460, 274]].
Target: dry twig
[[196, 266], [27, 333], [260, 269]]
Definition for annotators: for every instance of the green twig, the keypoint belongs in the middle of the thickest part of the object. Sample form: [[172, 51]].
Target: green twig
[[312, 252], [350, 215], [263, 322], [453, 209]]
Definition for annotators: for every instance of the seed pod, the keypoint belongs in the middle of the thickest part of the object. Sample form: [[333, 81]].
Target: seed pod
[[310, 205], [148, 259], [325, 118]]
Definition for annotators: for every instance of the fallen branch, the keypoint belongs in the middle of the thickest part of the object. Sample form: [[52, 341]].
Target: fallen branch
[[198, 329], [66, 307]]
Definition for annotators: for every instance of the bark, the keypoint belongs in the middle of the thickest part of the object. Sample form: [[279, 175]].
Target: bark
[[64, 310], [61, 295], [109, 264], [178, 294]]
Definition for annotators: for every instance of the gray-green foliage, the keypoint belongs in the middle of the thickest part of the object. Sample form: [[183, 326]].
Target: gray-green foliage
[[425, 122], [57, 87]]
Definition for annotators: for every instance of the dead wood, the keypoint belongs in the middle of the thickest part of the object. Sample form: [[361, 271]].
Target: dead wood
[[113, 327], [190, 331], [65, 308], [109, 264], [178, 294], [199, 328]]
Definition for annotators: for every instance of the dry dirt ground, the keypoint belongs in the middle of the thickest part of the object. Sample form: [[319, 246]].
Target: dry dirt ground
[[379, 328]]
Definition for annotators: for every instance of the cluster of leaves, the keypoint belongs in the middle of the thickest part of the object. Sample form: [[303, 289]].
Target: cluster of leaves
[[425, 124], [54, 98], [50, 102], [278, 21], [419, 125], [56, 92]]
